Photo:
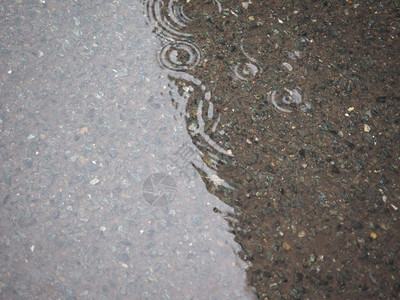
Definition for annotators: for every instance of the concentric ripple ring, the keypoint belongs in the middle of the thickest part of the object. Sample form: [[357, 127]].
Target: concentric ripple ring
[[170, 56]]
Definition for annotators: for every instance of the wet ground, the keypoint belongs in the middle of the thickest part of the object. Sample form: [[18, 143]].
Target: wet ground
[[307, 95], [117, 117]]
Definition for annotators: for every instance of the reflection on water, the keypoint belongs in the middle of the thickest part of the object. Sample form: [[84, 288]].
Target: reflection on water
[[86, 137]]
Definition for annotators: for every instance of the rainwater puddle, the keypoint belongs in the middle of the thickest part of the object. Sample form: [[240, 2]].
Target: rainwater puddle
[[99, 196]]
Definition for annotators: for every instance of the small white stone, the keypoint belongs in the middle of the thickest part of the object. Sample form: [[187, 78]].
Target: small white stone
[[288, 66], [367, 128], [103, 228], [94, 181], [301, 234]]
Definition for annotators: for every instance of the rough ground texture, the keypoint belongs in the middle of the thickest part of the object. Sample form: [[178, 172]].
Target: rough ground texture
[[317, 180]]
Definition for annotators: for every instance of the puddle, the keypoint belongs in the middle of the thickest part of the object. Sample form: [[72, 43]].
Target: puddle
[[281, 108], [100, 199]]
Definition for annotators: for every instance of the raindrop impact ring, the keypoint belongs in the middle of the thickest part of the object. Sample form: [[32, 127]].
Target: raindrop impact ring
[[171, 55]]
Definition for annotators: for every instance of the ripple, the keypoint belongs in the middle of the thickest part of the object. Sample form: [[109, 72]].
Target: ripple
[[179, 56], [167, 20], [201, 130], [288, 99], [178, 15], [243, 71], [219, 5]]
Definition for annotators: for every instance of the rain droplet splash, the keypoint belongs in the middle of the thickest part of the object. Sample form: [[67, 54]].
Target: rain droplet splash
[[289, 99], [243, 71], [285, 101], [167, 18], [178, 55]]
